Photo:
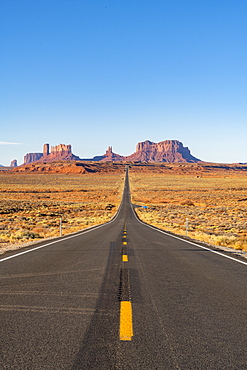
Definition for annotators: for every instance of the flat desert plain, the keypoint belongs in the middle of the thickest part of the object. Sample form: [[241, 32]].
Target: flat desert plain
[[213, 202], [32, 205], [211, 199]]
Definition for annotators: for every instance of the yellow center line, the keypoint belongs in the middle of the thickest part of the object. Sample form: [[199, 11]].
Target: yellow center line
[[126, 326], [125, 258], [125, 243]]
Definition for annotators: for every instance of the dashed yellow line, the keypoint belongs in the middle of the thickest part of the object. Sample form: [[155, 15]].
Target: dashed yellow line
[[126, 326]]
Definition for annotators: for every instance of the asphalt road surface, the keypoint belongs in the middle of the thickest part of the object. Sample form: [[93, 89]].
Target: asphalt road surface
[[122, 296]]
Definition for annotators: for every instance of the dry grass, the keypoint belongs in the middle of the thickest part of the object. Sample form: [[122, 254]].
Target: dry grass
[[31, 204], [215, 206]]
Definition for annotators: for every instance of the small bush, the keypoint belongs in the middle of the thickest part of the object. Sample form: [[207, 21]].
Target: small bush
[[31, 235], [187, 203]]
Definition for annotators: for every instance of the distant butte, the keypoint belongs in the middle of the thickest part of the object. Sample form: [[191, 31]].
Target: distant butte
[[60, 152], [166, 151], [13, 163], [147, 151]]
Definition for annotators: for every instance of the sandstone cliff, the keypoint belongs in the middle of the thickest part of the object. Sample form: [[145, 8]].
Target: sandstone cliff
[[32, 157], [13, 163], [165, 151], [58, 153], [146, 151], [109, 156]]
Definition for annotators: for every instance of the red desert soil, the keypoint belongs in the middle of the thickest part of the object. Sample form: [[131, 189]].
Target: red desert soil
[[213, 197]]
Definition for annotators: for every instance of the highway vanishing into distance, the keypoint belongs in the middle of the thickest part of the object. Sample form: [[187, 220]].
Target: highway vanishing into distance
[[122, 296]]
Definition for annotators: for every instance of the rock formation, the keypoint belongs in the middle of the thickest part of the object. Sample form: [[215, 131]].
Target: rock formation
[[46, 149], [13, 163], [60, 150], [32, 157], [109, 156], [58, 153], [165, 151], [146, 151]]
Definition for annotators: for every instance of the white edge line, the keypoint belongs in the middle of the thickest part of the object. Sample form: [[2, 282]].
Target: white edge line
[[187, 241], [97, 227], [56, 241], [66, 238]]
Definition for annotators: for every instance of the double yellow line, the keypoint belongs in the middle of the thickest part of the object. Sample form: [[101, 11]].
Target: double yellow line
[[126, 322]]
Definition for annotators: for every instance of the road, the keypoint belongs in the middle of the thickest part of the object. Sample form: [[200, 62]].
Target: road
[[122, 296]]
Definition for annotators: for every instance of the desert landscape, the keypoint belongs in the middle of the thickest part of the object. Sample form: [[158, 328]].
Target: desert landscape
[[33, 204], [210, 198]]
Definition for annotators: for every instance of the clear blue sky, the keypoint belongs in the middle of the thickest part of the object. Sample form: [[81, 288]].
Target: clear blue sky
[[94, 73]]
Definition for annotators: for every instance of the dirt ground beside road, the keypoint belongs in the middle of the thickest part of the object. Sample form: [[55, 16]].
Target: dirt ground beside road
[[31, 205], [214, 205]]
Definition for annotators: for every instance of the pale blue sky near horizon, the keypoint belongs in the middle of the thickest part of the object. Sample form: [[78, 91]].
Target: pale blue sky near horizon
[[101, 73]]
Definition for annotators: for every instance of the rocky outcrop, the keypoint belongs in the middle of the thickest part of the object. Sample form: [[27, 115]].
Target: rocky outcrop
[[32, 157], [109, 156], [61, 150], [46, 149], [58, 153], [165, 151], [13, 163], [146, 151]]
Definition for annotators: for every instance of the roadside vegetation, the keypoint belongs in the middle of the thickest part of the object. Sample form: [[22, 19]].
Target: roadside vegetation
[[215, 206], [31, 205], [214, 203]]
